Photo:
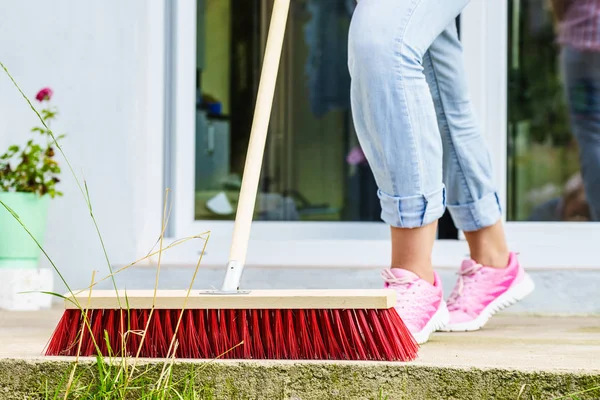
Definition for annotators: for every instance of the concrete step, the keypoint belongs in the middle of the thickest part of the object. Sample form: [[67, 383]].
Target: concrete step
[[513, 357]]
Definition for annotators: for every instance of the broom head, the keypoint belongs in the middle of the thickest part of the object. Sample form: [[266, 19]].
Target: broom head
[[261, 324]]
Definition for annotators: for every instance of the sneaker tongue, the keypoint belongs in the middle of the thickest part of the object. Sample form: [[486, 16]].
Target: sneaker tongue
[[467, 264], [402, 273]]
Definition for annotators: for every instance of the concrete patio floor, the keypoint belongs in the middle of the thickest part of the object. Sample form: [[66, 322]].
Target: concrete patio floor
[[559, 354], [508, 341]]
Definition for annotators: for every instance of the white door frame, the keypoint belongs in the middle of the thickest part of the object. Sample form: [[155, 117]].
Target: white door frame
[[355, 244]]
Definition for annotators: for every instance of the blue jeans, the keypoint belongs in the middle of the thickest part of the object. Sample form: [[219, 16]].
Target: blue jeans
[[413, 115], [581, 75]]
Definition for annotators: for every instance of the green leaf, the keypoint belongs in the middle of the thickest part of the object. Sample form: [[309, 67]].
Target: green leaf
[[48, 293], [48, 114]]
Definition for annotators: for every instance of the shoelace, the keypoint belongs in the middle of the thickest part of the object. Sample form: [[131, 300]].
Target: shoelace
[[392, 279], [456, 299]]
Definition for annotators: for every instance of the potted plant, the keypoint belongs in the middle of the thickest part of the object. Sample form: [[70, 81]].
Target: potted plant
[[28, 180]]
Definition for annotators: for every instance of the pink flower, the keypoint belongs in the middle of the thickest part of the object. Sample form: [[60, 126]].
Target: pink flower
[[44, 94], [356, 156]]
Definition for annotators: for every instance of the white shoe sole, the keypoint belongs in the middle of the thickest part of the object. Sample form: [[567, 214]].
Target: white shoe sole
[[514, 294], [438, 321]]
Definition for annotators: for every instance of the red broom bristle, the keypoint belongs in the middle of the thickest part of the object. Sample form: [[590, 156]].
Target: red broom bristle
[[96, 326], [234, 337], [315, 335], [109, 339], [202, 328], [379, 334], [353, 334], [74, 332], [331, 345], [133, 336], [179, 335], [267, 334], [224, 335], [247, 349], [85, 334], [395, 328], [279, 335], [257, 344], [263, 334], [60, 337], [188, 336], [168, 323], [341, 335], [216, 336], [291, 338], [156, 339], [122, 350], [365, 329], [306, 347], [145, 344]]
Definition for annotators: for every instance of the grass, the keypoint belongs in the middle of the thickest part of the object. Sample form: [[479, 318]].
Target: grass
[[111, 382]]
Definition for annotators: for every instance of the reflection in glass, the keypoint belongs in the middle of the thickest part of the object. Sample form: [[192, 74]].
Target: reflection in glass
[[545, 132], [313, 168]]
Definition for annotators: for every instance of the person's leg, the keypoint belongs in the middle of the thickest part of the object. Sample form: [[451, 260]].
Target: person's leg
[[472, 199], [395, 118], [493, 277], [396, 124], [581, 74]]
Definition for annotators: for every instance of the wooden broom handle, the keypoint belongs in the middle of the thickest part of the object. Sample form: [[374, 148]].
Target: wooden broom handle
[[256, 146]]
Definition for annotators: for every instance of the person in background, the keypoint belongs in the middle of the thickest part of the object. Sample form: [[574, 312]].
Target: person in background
[[578, 31], [415, 124], [571, 206]]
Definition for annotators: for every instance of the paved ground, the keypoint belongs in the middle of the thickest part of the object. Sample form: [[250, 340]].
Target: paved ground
[[508, 342]]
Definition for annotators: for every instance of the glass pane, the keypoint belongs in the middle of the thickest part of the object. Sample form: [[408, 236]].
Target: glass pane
[[313, 169], [544, 180]]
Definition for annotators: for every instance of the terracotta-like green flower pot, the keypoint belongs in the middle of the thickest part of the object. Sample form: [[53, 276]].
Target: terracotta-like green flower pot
[[17, 248]]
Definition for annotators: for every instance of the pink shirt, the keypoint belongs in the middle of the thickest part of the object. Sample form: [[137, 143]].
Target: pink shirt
[[580, 27]]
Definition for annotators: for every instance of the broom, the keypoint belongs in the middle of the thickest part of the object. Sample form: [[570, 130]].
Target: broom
[[229, 323]]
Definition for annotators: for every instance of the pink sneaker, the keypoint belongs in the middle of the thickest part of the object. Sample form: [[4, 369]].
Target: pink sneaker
[[482, 291], [420, 304]]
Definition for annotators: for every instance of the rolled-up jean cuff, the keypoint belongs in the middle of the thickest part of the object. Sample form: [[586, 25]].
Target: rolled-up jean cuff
[[477, 215], [413, 211]]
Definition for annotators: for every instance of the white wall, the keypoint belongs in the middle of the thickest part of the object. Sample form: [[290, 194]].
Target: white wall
[[100, 57]]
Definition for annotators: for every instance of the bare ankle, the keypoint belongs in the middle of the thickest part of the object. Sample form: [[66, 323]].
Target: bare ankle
[[488, 246], [411, 250]]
